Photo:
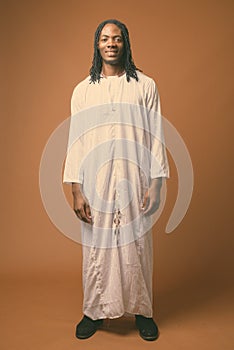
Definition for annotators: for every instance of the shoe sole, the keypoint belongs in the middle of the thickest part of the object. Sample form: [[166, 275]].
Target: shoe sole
[[85, 336], [149, 338]]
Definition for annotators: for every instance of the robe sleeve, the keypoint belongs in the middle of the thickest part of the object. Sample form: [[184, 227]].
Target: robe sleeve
[[159, 162], [73, 170]]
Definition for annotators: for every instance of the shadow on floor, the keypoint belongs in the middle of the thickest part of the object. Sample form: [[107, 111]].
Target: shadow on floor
[[121, 326]]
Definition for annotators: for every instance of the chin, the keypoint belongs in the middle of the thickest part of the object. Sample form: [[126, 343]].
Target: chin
[[112, 62]]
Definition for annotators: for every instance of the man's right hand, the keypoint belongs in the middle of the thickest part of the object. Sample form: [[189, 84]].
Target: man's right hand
[[80, 204]]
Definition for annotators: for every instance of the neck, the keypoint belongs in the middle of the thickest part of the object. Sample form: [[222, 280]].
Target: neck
[[110, 70]]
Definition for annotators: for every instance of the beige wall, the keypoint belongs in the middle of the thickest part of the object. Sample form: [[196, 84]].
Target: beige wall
[[187, 47]]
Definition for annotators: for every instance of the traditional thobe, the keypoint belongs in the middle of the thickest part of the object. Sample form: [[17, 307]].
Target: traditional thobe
[[115, 148]]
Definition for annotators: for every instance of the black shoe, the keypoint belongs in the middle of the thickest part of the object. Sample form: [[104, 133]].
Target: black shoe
[[148, 329], [87, 327]]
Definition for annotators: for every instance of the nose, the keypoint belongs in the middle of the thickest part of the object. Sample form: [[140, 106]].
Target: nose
[[111, 43]]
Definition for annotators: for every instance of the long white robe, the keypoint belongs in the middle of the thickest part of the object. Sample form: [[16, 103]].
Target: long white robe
[[115, 148]]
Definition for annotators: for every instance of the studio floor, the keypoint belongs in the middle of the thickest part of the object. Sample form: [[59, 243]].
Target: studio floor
[[41, 314]]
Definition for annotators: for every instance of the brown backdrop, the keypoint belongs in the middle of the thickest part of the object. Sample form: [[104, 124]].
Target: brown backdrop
[[187, 47]]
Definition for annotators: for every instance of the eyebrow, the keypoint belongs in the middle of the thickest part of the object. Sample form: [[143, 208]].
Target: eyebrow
[[114, 36]]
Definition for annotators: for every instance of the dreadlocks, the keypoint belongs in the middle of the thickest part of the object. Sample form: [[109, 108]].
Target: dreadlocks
[[128, 63]]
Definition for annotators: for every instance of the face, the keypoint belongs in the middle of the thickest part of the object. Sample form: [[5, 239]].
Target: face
[[111, 44]]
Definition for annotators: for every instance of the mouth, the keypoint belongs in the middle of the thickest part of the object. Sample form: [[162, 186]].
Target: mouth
[[111, 54]]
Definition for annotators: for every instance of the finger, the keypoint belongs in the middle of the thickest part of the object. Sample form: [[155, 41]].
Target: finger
[[152, 208], [77, 211], [88, 213], [145, 201], [148, 208], [81, 214]]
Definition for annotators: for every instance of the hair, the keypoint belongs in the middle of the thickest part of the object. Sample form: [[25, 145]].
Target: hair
[[127, 61]]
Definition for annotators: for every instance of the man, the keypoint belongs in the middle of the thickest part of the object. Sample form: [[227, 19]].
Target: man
[[116, 161]]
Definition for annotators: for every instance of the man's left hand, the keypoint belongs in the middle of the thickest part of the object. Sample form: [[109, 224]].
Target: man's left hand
[[151, 200]]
